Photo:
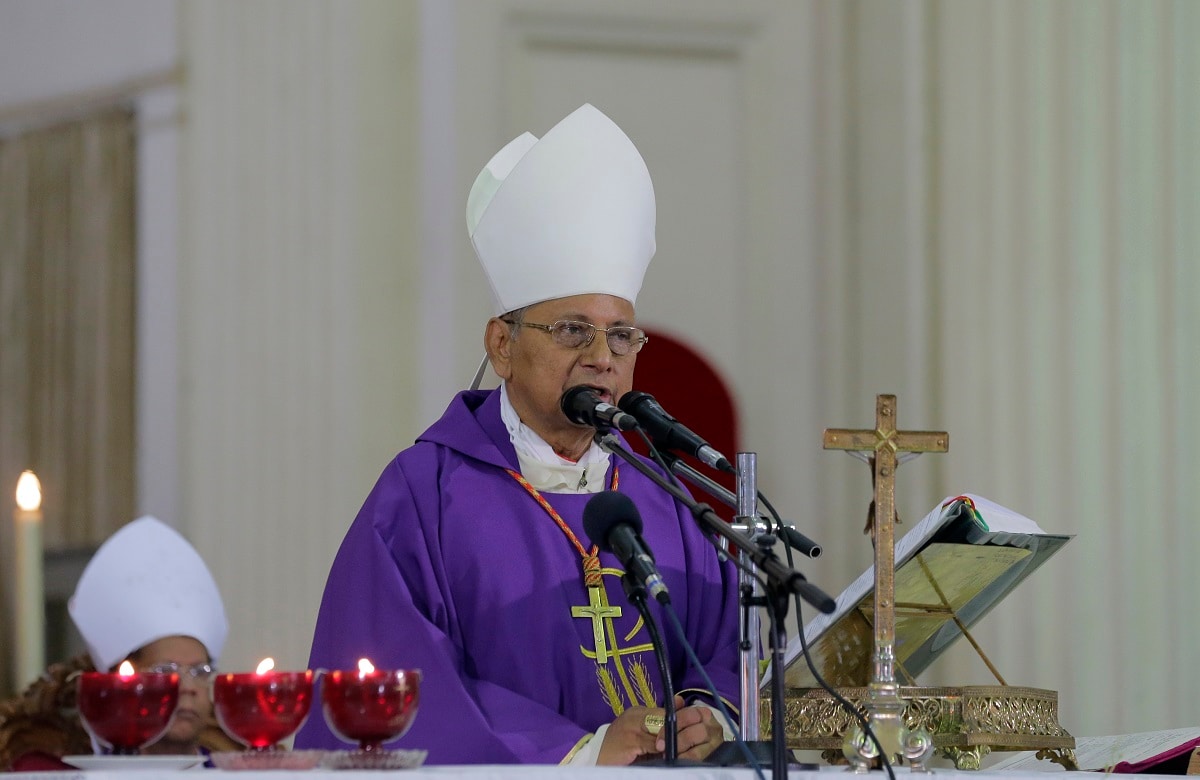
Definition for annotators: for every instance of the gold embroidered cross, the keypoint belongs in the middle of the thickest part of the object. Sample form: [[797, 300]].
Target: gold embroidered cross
[[598, 609]]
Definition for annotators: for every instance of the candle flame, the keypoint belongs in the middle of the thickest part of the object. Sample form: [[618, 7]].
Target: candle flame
[[265, 665], [29, 491], [365, 666], [125, 669]]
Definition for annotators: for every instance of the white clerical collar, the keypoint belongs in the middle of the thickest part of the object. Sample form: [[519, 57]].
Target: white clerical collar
[[545, 469]]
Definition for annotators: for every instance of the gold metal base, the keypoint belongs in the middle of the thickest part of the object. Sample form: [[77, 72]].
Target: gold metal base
[[966, 723]]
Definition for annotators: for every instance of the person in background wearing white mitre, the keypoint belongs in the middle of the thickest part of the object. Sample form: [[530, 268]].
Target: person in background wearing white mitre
[[147, 597]]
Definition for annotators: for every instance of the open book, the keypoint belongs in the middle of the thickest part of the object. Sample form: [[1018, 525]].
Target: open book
[[961, 560], [1171, 752]]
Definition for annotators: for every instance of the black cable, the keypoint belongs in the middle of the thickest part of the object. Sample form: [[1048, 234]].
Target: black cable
[[779, 524], [716, 543], [751, 761], [776, 611], [806, 545], [846, 705], [636, 593], [780, 580], [712, 689]]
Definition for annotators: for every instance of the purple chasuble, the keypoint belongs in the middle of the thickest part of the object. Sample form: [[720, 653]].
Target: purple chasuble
[[451, 567]]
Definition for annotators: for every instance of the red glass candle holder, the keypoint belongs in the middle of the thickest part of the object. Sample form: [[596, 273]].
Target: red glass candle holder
[[370, 708], [124, 713], [260, 710]]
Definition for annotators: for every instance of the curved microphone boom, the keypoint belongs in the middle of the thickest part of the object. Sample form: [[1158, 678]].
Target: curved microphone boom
[[582, 406], [612, 523], [668, 433]]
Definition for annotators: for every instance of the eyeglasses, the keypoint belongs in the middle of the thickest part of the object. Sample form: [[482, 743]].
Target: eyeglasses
[[622, 339], [195, 671]]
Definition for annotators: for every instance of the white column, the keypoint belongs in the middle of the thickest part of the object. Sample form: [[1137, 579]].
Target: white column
[[297, 294]]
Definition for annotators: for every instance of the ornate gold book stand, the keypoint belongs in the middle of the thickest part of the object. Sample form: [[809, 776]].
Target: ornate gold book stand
[[915, 612]]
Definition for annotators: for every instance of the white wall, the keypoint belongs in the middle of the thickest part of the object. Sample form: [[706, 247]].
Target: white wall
[[55, 49]]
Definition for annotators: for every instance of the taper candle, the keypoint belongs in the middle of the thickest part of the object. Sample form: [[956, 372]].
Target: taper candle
[[30, 589]]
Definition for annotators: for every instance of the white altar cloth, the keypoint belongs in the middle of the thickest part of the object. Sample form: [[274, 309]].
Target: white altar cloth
[[527, 772]]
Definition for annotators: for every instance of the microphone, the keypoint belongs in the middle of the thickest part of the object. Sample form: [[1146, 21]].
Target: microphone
[[668, 433], [613, 524], [581, 405], [801, 543]]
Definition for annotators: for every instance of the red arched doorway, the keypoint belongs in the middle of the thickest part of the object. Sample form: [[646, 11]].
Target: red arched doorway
[[693, 392]]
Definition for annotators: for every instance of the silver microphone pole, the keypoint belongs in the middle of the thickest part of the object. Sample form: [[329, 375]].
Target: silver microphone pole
[[747, 516]]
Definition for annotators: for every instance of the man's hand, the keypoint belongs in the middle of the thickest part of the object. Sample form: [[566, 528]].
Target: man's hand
[[628, 739], [699, 732]]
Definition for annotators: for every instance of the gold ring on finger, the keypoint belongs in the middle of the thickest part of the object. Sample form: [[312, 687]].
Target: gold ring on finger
[[654, 723]]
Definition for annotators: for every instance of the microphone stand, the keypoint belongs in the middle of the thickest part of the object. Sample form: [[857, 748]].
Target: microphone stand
[[788, 580], [636, 593], [793, 538], [750, 522], [747, 515], [781, 583]]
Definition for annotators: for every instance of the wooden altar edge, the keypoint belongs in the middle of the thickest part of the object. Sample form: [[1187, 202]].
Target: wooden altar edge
[[976, 719]]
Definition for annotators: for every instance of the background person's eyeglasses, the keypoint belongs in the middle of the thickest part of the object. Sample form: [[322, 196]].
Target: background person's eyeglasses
[[195, 671], [622, 339]]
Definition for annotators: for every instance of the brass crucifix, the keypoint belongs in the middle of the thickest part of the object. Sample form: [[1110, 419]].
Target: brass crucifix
[[885, 441]]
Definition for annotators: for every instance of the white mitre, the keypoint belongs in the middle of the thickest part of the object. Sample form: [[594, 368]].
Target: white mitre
[[143, 584], [569, 214]]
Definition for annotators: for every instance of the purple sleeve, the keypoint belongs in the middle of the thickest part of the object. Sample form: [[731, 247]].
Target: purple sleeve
[[710, 616], [384, 600]]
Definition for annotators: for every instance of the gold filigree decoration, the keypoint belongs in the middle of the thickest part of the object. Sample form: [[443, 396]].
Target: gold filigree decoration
[[965, 723]]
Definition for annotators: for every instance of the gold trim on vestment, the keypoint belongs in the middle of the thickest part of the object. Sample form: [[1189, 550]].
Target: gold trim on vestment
[[586, 738]]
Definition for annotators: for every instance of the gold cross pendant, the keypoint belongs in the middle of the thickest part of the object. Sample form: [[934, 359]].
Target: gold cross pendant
[[597, 610]]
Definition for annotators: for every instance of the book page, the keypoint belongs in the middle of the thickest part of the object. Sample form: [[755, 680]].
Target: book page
[[1096, 754], [855, 592], [1000, 522], [975, 521]]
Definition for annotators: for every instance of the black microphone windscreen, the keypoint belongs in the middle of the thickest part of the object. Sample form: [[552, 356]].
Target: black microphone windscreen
[[604, 511], [632, 400], [577, 401]]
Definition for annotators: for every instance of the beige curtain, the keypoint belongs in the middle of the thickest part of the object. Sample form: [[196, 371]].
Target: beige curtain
[[67, 329]]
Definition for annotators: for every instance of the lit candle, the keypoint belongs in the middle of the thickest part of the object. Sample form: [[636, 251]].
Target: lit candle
[[262, 709], [31, 600], [370, 706], [127, 710]]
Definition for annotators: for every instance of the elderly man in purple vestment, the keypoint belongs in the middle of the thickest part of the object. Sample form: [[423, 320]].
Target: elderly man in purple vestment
[[469, 561]]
